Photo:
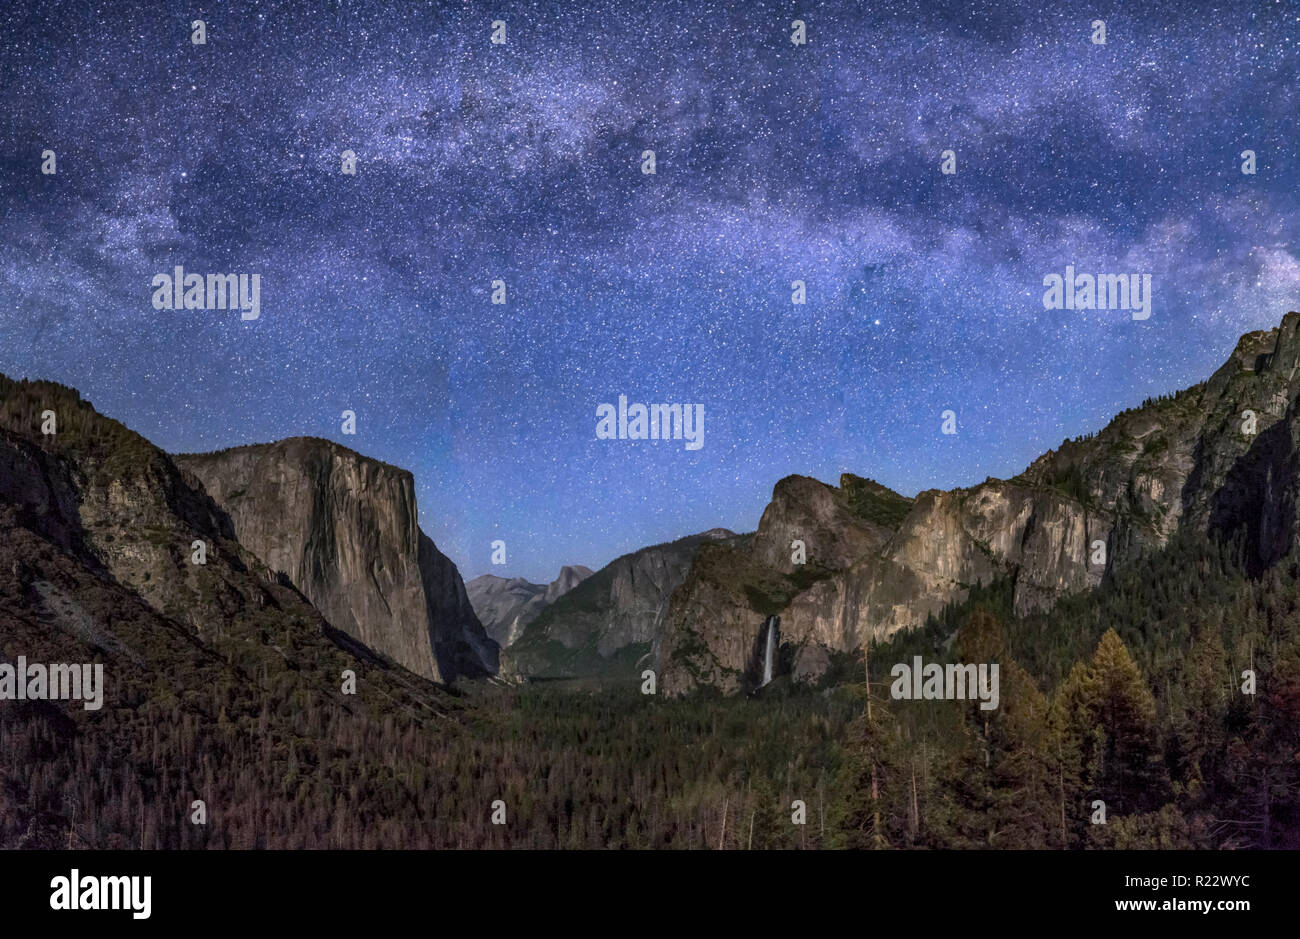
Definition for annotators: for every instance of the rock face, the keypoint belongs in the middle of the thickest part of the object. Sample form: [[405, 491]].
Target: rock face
[[206, 667], [831, 519], [343, 529], [878, 562], [461, 647], [506, 605], [613, 617], [570, 576], [117, 506], [119, 509]]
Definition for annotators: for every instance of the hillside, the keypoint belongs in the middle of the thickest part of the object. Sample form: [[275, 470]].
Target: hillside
[[1215, 458]]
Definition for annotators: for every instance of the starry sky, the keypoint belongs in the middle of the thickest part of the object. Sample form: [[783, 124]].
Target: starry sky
[[522, 162]]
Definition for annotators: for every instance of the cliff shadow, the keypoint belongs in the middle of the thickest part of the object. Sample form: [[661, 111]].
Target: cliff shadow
[[1257, 501]]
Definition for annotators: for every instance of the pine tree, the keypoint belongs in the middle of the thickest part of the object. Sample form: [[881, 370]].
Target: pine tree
[[1109, 747], [1001, 791], [770, 825], [1133, 777]]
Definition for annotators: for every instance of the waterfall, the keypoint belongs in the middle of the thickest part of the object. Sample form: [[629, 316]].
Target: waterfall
[[771, 648]]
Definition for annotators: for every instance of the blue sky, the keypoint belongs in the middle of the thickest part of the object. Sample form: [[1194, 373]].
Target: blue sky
[[522, 162]]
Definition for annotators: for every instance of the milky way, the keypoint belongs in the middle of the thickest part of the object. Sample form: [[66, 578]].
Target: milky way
[[522, 163]]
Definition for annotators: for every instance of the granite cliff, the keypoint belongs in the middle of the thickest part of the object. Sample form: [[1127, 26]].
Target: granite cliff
[[343, 529], [1220, 457], [220, 680]]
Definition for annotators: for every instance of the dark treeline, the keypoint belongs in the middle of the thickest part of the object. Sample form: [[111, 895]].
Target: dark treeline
[[1130, 696]]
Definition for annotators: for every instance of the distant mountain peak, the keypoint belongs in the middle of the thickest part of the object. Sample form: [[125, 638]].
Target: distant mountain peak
[[717, 533]]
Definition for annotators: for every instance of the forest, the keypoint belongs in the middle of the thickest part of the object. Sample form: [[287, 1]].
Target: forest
[[1129, 696]]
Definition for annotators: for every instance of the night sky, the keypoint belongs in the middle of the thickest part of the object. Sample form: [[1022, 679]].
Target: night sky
[[522, 162]]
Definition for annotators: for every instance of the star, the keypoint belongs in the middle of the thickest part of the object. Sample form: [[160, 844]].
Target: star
[[522, 164]]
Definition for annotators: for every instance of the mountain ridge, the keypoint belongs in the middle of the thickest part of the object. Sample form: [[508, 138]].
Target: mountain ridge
[[506, 605], [1060, 526], [609, 621], [344, 529]]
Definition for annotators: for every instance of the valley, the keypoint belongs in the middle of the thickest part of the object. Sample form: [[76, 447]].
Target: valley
[[319, 675]]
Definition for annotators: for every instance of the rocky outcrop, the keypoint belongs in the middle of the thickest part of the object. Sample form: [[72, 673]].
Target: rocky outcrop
[[219, 680], [810, 663], [1221, 457], [612, 617], [461, 647], [506, 605], [828, 521], [570, 576], [343, 529], [120, 507], [119, 510]]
